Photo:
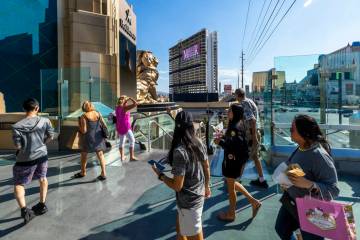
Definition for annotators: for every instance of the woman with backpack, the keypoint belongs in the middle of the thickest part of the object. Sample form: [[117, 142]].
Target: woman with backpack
[[191, 177], [320, 180], [235, 156], [93, 139]]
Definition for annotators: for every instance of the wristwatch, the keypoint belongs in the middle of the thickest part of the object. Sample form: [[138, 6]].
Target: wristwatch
[[160, 176]]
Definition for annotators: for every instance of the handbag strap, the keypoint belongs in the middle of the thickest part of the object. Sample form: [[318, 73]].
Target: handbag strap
[[322, 196], [292, 154], [101, 121]]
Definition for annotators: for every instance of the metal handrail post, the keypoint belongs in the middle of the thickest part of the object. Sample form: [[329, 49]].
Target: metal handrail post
[[149, 138], [163, 139]]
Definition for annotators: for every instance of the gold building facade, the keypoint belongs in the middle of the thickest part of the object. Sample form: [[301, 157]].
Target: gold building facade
[[96, 51], [259, 80]]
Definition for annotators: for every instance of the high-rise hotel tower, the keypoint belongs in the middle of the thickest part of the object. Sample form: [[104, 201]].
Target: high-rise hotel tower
[[193, 68]]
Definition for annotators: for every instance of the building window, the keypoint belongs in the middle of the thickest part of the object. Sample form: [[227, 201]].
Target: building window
[[333, 76], [349, 87], [347, 76], [357, 92]]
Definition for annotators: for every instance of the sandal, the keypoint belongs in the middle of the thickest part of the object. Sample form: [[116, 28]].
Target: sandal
[[78, 175], [256, 209], [101, 178], [222, 216]]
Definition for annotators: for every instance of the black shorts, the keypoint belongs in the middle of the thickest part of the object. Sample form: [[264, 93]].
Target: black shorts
[[232, 168]]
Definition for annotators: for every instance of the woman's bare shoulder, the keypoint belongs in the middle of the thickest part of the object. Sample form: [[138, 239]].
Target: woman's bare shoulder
[[92, 116]]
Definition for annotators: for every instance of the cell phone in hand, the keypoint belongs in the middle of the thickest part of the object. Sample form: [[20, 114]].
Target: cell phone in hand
[[158, 165]]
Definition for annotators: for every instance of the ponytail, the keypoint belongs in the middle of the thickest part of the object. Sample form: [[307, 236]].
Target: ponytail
[[324, 143]]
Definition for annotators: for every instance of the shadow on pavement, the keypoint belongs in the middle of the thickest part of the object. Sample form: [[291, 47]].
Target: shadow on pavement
[[159, 222], [151, 226], [9, 230], [34, 190], [9, 219]]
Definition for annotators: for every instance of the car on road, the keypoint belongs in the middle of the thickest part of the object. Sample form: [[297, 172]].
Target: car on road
[[294, 110], [331, 111], [344, 111], [347, 114], [313, 110]]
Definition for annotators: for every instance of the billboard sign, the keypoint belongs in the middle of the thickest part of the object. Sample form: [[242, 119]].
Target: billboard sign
[[227, 88], [191, 52]]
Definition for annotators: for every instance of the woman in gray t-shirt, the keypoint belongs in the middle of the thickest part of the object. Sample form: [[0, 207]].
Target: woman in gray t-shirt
[[191, 176], [312, 155]]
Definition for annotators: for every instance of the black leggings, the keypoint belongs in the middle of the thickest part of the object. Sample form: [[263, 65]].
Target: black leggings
[[286, 224]]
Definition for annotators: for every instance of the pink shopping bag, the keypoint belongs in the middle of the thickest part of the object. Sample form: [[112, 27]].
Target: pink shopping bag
[[324, 218]]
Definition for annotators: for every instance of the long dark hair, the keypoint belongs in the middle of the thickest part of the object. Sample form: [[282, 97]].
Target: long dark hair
[[309, 130], [238, 115], [184, 134]]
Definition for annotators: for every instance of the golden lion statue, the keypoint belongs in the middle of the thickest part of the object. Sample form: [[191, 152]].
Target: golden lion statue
[[146, 77]]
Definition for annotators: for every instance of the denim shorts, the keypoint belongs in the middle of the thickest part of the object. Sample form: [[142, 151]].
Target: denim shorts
[[24, 174]]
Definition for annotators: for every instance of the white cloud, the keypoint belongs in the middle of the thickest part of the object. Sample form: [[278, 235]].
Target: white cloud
[[230, 76], [307, 3], [228, 72]]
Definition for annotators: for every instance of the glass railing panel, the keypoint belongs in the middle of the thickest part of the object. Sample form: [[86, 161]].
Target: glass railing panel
[[214, 120], [155, 131], [338, 136], [307, 85]]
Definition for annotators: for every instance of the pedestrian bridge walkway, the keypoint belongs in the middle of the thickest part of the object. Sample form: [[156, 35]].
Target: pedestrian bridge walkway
[[133, 204]]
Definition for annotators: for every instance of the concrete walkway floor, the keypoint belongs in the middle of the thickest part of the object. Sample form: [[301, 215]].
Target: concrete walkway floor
[[133, 204]]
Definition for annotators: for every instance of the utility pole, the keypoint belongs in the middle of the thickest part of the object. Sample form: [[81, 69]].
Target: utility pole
[[242, 69], [238, 81], [339, 77]]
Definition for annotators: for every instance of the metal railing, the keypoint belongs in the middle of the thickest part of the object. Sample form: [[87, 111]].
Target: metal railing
[[149, 134], [338, 135]]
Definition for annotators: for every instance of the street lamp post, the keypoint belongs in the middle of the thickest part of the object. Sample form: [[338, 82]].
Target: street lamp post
[[90, 83], [273, 79], [324, 75], [339, 78]]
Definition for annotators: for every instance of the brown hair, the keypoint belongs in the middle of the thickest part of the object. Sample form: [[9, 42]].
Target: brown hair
[[240, 93], [87, 106], [118, 101]]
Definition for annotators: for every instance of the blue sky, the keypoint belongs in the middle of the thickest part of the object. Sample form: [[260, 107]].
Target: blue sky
[[311, 27]]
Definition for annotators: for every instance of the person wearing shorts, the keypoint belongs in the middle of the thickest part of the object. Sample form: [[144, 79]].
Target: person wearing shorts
[[235, 157], [191, 176], [30, 136]]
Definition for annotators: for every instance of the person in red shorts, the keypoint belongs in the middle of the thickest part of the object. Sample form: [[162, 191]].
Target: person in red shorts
[[30, 136]]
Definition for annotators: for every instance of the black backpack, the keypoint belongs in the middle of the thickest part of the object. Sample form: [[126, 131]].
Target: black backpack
[[238, 144]]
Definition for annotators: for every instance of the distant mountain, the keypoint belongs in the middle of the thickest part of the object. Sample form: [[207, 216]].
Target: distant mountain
[[163, 93]]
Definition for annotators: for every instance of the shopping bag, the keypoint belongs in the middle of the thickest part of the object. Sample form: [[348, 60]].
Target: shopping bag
[[279, 176], [75, 142], [216, 163], [324, 218]]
